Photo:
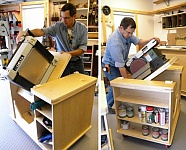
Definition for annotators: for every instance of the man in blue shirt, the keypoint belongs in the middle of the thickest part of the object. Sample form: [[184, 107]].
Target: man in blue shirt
[[70, 36], [117, 51]]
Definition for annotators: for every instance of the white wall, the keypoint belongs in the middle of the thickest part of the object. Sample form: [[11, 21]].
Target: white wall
[[145, 23], [148, 26]]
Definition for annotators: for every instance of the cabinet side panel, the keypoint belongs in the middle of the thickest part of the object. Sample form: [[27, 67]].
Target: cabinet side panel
[[72, 118]]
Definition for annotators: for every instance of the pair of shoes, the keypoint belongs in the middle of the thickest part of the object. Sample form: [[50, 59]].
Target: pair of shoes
[[111, 111]]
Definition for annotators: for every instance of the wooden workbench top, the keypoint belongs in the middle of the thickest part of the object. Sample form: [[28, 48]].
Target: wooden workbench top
[[173, 48], [60, 89]]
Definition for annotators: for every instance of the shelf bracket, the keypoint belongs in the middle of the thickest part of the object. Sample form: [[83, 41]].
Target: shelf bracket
[[167, 2]]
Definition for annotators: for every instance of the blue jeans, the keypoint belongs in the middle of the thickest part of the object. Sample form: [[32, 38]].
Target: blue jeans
[[74, 66], [114, 73]]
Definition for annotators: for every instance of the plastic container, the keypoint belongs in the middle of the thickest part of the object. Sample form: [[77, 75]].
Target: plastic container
[[149, 114]]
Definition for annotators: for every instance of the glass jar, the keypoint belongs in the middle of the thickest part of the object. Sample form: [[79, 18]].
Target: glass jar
[[155, 132], [130, 112], [122, 111], [145, 130]]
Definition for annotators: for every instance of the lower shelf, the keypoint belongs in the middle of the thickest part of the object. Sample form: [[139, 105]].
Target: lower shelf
[[136, 131]]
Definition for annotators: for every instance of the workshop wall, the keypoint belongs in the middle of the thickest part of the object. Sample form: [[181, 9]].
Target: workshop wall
[[162, 34], [145, 23]]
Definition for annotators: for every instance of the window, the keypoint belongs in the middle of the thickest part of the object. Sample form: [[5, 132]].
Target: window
[[33, 17]]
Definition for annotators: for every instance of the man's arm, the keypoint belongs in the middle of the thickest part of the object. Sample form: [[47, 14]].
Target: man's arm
[[123, 72], [36, 33], [143, 42], [76, 52]]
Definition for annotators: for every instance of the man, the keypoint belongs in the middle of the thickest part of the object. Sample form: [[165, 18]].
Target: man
[[70, 36], [116, 53]]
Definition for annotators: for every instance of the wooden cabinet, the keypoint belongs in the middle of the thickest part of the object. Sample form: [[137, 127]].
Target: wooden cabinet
[[62, 101], [174, 21], [134, 93], [67, 107]]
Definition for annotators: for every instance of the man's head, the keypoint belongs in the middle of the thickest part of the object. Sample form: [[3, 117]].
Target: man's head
[[68, 14], [127, 27]]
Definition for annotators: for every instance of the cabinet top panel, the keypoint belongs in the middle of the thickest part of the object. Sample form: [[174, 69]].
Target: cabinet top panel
[[166, 86], [63, 88]]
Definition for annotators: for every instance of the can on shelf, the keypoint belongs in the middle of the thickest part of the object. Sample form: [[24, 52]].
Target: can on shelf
[[155, 132], [162, 116], [156, 116], [164, 134], [122, 111], [166, 115], [139, 112], [143, 112], [145, 130]]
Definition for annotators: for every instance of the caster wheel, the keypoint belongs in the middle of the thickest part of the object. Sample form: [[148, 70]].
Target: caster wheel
[[124, 135]]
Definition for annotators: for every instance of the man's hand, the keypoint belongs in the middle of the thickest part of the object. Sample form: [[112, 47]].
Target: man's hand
[[157, 39], [107, 68], [19, 36]]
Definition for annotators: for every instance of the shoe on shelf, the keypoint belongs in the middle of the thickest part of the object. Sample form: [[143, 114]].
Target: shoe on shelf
[[111, 111]]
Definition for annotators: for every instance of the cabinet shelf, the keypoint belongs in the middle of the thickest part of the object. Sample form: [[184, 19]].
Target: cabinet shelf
[[143, 100], [89, 53], [135, 119], [82, 9], [174, 21], [46, 111], [40, 120], [79, 19], [136, 131], [159, 1], [95, 27]]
